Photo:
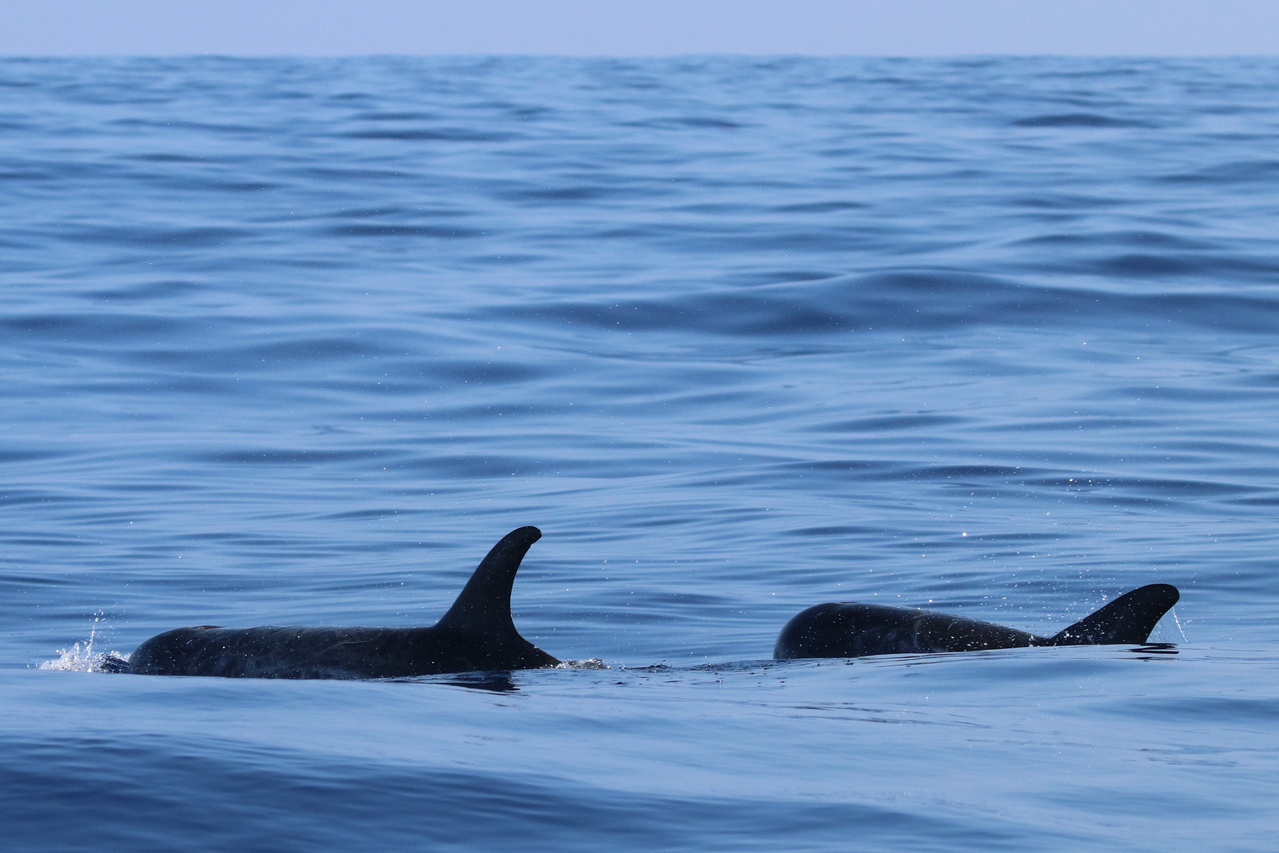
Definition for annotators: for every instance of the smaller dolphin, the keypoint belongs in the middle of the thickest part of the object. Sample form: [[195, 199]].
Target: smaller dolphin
[[848, 630], [476, 634]]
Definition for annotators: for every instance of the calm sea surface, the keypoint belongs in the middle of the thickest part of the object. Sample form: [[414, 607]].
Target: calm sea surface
[[294, 342]]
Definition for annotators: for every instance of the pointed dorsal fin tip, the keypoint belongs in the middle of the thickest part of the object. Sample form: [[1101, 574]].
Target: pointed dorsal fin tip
[[1152, 595], [527, 530]]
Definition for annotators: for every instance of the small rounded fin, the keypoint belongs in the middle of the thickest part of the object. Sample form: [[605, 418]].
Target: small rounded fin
[[1128, 619], [485, 602]]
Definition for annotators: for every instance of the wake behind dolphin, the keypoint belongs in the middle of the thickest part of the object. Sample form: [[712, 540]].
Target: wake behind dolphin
[[849, 629], [476, 634]]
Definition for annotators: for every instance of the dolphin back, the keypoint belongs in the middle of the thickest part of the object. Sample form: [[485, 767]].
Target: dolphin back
[[850, 629], [476, 634], [1128, 619]]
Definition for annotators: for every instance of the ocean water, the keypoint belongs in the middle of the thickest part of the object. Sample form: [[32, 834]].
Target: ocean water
[[295, 341]]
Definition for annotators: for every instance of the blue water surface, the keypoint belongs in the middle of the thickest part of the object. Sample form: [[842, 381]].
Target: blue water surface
[[296, 341]]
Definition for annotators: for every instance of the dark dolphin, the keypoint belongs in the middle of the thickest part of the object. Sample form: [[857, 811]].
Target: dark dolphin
[[850, 630], [476, 634]]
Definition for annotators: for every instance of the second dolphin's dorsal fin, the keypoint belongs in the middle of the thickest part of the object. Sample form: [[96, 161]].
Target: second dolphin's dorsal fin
[[484, 604], [1128, 619]]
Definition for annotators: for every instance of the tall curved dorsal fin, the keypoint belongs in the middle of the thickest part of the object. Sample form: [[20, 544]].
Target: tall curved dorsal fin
[[484, 605], [1128, 619]]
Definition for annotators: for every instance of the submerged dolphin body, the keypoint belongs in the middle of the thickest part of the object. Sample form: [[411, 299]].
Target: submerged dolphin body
[[476, 634], [849, 629]]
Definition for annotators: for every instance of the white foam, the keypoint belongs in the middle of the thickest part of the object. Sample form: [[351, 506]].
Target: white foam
[[590, 663], [82, 657]]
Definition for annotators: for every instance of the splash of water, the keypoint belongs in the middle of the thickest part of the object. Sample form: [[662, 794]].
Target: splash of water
[[82, 657], [590, 663]]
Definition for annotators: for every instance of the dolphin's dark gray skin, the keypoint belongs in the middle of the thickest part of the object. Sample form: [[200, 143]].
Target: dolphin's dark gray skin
[[477, 633], [850, 630]]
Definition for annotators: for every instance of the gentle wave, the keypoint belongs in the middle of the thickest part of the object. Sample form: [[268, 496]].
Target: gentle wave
[[293, 341]]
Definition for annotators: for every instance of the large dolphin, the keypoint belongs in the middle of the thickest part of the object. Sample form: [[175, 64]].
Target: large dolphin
[[476, 634], [848, 630]]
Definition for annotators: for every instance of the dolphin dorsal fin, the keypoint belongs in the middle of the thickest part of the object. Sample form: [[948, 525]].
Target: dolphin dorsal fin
[[485, 602], [1128, 619]]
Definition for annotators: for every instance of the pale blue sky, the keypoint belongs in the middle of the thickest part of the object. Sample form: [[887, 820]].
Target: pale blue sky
[[639, 27]]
